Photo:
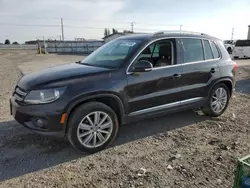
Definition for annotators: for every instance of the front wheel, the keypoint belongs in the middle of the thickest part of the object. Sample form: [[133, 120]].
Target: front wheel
[[92, 127], [217, 101]]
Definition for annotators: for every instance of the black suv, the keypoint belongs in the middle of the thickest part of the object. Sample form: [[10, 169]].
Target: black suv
[[127, 79]]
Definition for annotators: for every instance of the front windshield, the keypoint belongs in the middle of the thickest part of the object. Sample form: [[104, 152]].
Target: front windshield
[[112, 54]]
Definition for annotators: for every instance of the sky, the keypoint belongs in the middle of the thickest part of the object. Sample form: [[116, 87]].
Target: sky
[[35, 19]]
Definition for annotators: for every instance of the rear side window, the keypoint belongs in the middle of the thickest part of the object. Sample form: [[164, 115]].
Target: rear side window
[[242, 43], [192, 50], [208, 50], [215, 50]]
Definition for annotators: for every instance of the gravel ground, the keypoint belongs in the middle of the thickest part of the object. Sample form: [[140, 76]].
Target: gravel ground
[[191, 151]]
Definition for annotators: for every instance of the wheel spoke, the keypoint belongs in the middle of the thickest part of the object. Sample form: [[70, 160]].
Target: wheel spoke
[[224, 93], [85, 134], [103, 119], [90, 121], [102, 131], [220, 91], [96, 118], [100, 137], [215, 98], [214, 103], [216, 108], [223, 101], [94, 140], [85, 126], [220, 107], [217, 93], [105, 126], [88, 139]]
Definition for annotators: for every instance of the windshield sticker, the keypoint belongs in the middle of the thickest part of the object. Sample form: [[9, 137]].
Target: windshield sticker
[[127, 43]]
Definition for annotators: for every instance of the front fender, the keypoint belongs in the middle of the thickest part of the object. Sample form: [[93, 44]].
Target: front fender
[[89, 97]]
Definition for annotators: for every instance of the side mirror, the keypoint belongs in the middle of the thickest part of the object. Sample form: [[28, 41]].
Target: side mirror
[[142, 66]]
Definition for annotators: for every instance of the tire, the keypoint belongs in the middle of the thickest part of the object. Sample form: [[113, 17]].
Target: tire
[[75, 130], [236, 57], [208, 109], [229, 49]]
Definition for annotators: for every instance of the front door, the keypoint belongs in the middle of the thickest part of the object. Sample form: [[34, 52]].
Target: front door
[[160, 88]]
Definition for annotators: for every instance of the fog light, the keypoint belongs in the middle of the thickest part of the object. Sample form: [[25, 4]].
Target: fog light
[[39, 123]]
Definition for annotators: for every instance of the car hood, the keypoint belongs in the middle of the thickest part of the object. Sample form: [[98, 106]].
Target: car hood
[[59, 73]]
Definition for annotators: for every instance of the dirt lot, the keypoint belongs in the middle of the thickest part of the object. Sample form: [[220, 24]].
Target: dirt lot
[[186, 149]]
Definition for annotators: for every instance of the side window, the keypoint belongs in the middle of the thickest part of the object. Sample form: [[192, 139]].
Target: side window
[[208, 50], [192, 50], [215, 50], [155, 50], [160, 54]]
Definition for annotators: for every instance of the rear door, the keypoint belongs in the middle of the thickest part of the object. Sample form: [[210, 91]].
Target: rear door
[[158, 89], [200, 68]]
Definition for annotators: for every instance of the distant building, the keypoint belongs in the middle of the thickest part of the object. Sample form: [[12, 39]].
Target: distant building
[[80, 39]]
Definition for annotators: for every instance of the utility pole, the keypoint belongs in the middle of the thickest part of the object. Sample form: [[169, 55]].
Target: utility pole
[[132, 26], [62, 29], [232, 37], [44, 45], [180, 28]]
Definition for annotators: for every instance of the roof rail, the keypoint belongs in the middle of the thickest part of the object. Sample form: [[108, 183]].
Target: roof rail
[[178, 31]]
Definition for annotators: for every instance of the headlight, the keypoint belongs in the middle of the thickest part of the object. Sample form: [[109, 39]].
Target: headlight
[[44, 96]]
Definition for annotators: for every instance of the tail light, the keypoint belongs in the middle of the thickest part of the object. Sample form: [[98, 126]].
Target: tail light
[[234, 66]]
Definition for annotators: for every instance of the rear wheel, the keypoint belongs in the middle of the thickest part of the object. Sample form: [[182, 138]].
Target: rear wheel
[[92, 127], [217, 101], [229, 49]]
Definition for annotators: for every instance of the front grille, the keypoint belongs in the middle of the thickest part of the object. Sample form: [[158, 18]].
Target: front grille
[[19, 94]]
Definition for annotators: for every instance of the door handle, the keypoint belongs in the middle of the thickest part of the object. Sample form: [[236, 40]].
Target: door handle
[[176, 76], [213, 70]]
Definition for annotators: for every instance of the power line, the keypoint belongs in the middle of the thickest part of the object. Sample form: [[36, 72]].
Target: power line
[[28, 25], [66, 26], [94, 20]]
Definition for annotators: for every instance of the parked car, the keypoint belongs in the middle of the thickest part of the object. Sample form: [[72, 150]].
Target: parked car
[[229, 45], [242, 49], [126, 80]]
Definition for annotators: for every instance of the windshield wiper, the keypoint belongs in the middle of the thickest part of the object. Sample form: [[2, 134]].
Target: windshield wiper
[[88, 64]]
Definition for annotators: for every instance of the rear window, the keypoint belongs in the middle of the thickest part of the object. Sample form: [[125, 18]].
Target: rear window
[[242, 43], [208, 50], [215, 50]]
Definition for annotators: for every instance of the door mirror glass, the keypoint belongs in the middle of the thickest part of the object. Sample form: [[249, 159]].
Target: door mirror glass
[[142, 66]]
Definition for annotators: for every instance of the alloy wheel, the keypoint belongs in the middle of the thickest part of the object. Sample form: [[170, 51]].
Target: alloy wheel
[[95, 129], [219, 100]]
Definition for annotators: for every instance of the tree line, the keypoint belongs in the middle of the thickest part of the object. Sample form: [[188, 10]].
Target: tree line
[[7, 41], [107, 31]]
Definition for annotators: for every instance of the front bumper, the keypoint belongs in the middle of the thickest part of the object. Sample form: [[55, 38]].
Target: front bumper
[[31, 116]]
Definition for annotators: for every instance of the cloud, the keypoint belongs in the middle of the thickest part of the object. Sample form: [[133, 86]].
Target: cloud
[[215, 17], [75, 12]]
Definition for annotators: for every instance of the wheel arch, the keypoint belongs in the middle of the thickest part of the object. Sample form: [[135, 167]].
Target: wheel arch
[[111, 100], [227, 81]]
